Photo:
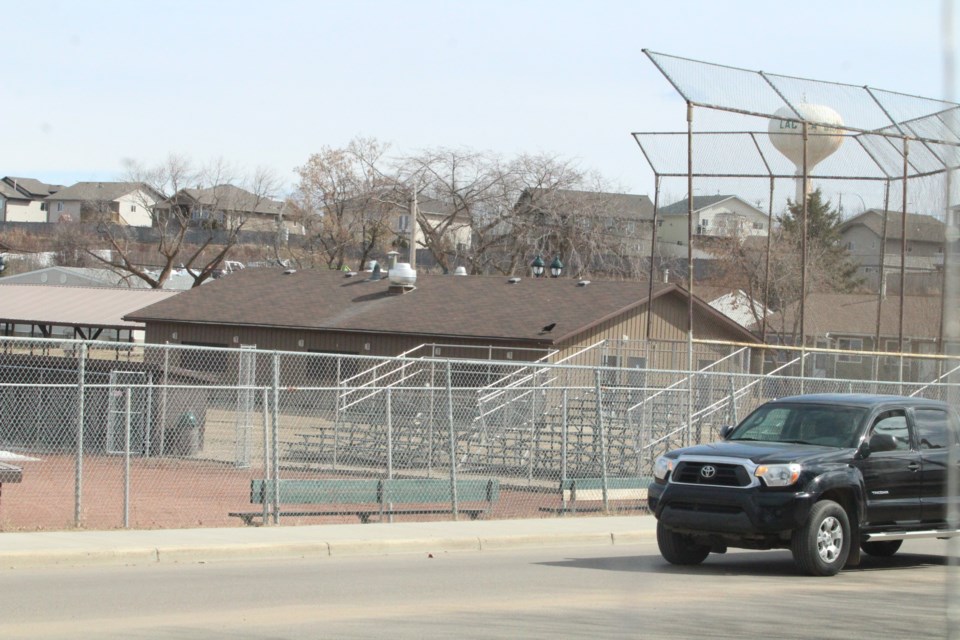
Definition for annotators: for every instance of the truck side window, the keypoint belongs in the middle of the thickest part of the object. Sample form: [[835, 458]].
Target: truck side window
[[933, 428], [893, 423]]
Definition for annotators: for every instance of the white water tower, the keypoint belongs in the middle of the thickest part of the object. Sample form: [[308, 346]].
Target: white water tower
[[823, 138]]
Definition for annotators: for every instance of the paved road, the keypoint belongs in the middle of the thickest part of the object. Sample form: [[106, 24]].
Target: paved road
[[566, 592]]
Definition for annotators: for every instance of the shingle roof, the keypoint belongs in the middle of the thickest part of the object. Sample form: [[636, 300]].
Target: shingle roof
[[226, 197], [699, 202], [31, 187], [75, 306], [856, 314], [483, 307], [95, 191], [920, 227], [625, 206]]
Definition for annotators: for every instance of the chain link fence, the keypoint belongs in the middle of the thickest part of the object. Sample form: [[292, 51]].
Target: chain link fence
[[115, 435]]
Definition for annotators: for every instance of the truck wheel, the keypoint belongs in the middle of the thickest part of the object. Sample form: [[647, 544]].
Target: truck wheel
[[679, 549], [820, 547], [881, 548]]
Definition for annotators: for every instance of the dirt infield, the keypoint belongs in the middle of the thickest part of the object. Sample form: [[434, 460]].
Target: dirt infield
[[168, 493]]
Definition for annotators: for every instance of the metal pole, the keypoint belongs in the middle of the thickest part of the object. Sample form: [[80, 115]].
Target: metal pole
[[266, 452], [453, 446], [163, 399], [78, 471], [689, 274], [126, 462], [653, 252], [903, 243], [275, 413], [802, 191], [882, 289], [603, 443], [389, 448], [148, 420], [766, 272], [563, 453]]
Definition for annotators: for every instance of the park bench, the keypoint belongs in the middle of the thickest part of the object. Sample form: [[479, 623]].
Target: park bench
[[368, 497], [576, 491]]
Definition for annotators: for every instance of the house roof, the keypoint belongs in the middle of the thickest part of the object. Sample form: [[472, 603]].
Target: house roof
[[226, 197], [624, 206], [699, 202], [75, 306], [479, 307], [920, 227], [856, 315], [98, 191], [32, 188]]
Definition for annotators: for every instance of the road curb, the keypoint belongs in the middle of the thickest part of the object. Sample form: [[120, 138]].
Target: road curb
[[219, 552]]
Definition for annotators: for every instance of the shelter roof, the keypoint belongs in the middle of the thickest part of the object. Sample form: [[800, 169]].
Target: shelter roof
[[75, 306]]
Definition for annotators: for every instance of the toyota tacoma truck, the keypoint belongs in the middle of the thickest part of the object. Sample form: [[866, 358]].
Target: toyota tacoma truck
[[827, 476]]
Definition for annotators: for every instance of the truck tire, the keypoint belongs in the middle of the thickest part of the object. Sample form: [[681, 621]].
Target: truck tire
[[679, 549], [881, 548], [820, 547]]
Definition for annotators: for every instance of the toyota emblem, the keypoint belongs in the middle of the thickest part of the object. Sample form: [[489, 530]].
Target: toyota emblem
[[708, 471]]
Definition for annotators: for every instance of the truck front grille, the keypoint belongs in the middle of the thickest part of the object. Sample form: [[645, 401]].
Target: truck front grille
[[722, 475]]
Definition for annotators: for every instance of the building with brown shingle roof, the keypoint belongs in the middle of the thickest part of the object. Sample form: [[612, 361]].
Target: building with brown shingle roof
[[325, 311]]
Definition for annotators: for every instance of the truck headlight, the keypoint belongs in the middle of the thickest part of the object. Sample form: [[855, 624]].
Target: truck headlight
[[662, 467], [778, 475]]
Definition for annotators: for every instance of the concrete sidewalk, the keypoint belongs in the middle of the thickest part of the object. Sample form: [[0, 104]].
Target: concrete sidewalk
[[74, 548]]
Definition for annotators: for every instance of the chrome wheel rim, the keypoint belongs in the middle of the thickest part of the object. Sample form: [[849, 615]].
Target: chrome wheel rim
[[829, 539]]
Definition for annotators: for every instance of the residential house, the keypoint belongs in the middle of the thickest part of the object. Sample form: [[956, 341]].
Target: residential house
[[718, 216], [849, 322], [620, 225], [863, 236], [433, 217], [228, 206], [123, 203], [24, 199]]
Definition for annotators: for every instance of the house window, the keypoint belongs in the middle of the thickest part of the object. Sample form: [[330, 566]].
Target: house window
[[403, 223], [850, 344], [705, 222], [660, 222], [59, 207], [133, 207], [43, 206], [758, 225]]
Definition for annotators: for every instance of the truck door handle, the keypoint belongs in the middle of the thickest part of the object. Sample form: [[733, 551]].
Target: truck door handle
[[913, 466]]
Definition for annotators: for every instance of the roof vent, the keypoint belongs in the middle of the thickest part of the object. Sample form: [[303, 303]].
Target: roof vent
[[288, 272], [460, 271], [402, 275], [583, 283], [513, 280]]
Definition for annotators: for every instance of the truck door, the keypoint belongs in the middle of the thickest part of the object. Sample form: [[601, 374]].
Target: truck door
[[935, 436], [892, 478]]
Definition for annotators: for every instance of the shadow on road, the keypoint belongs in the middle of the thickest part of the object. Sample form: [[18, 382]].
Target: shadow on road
[[766, 563]]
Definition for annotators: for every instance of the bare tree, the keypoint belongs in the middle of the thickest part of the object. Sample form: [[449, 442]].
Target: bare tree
[[344, 201], [195, 195]]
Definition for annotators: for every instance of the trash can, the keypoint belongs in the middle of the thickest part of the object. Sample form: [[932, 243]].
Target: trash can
[[185, 436]]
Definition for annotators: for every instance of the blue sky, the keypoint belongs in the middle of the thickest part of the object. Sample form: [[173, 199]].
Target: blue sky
[[88, 84]]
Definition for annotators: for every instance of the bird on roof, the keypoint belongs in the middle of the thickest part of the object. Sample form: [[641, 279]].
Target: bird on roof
[[548, 328]]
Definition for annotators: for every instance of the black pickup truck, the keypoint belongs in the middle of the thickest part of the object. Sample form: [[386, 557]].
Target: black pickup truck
[[826, 476]]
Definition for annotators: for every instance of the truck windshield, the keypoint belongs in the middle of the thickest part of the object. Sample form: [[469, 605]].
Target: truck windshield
[[825, 425]]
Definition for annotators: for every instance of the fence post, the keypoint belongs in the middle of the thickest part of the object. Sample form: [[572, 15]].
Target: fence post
[[563, 454], [603, 442], [533, 425], [275, 414], [389, 447], [78, 471], [126, 462], [163, 399], [267, 474], [453, 446]]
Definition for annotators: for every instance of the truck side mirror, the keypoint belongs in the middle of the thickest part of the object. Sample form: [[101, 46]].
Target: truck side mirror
[[882, 442], [725, 431]]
